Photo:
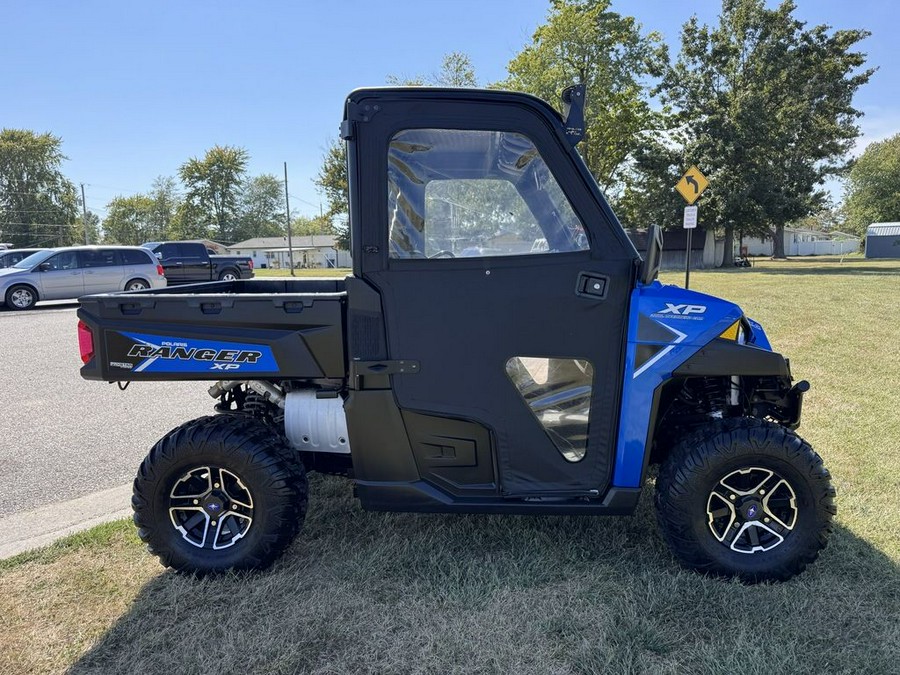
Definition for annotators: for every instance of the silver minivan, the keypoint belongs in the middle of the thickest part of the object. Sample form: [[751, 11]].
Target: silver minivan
[[73, 271]]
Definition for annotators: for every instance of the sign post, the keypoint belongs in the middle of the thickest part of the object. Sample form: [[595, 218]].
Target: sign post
[[691, 186], [690, 223]]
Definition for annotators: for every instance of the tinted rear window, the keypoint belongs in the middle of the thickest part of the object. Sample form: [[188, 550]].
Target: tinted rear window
[[132, 256], [103, 258]]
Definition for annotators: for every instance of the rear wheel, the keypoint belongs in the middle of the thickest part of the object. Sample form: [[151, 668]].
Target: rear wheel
[[219, 493], [228, 275], [137, 285], [21, 297], [745, 498]]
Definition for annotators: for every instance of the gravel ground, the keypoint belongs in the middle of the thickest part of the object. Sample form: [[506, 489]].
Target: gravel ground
[[61, 436]]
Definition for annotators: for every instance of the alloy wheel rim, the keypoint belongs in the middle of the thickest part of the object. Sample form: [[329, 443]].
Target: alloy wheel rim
[[22, 298], [752, 510], [211, 507]]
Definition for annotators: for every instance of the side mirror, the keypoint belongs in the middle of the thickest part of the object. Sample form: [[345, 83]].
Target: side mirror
[[573, 112], [652, 258], [44, 267]]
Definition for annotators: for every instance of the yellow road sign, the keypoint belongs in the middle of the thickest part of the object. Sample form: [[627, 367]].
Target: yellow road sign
[[692, 185]]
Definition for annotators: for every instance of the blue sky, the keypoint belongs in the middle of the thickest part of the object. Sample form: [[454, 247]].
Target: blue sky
[[135, 89]]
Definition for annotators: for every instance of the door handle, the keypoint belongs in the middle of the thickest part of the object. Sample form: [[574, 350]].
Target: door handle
[[592, 285]]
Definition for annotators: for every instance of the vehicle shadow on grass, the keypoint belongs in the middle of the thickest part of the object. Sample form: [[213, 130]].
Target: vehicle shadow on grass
[[400, 593]]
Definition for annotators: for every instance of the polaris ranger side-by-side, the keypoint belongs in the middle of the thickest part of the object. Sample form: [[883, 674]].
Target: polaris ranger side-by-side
[[500, 347]]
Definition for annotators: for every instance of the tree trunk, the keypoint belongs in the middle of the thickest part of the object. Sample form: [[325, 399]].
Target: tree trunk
[[728, 260], [778, 242]]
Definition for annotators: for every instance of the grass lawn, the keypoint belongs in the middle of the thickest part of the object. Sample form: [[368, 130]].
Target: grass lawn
[[403, 593]]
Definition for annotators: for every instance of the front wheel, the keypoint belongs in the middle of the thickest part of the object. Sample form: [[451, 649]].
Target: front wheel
[[219, 493], [21, 297], [745, 498]]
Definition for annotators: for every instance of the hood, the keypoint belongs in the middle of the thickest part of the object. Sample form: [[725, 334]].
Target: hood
[[11, 271]]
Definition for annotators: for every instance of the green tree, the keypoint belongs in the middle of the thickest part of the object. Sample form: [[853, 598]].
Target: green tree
[[647, 196], [38, 204], [141, 218], [332, 182], [765, 107], [165, 200], [261, 209], [302, 226], [129, 221], [584, 42], [214, 190], [873, 186], [456, 71], [76, 232]]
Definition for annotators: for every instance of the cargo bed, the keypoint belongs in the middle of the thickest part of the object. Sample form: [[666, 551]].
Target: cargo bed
[[265, 328]]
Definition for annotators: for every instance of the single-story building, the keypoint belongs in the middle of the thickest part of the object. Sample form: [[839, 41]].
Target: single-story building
[[310, 251], [883, 240]]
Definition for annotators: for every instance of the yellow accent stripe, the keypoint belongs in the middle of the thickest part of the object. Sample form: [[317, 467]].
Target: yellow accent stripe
[[731, 333]]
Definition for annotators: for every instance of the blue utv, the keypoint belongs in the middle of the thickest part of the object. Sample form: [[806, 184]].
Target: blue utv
[[500, 347]]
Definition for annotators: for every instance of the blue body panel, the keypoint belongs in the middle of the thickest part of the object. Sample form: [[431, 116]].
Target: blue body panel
[[666, 326]]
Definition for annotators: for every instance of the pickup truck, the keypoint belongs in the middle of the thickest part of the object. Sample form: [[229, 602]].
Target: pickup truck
[[186, 262], [460, 368]]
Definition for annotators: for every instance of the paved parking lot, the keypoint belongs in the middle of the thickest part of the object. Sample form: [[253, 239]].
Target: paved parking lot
[[63, 437]]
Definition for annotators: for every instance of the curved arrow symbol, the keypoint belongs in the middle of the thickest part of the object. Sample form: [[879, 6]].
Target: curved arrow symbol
[[693, 181]]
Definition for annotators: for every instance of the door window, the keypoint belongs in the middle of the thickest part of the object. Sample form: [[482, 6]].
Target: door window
[[467, 193], [67, 260], [168, 251], [558, 392], [191, 251]]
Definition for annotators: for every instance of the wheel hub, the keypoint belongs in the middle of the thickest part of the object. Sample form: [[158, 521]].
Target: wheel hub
[[211, 507], [214, 505], [752, 510]]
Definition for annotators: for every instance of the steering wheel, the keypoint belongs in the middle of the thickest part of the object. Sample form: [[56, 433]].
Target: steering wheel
[[442, 254]]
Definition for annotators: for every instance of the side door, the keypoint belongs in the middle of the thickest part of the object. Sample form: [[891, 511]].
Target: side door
[[196, 265], [169, 255], [503, 275], [103, 271], [61, 276]]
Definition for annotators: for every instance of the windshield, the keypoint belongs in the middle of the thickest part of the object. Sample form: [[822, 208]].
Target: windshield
[[34, 259]]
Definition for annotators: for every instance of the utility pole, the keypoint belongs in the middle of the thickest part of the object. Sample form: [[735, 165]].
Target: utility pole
[[287, 207], [84, 211]]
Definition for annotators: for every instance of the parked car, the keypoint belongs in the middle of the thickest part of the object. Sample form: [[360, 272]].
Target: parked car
[[70, 272], [186, 262], [9, 257]]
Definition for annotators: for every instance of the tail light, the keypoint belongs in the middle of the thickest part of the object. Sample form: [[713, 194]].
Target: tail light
[[160, 271], [251, 264], [85, 342]]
